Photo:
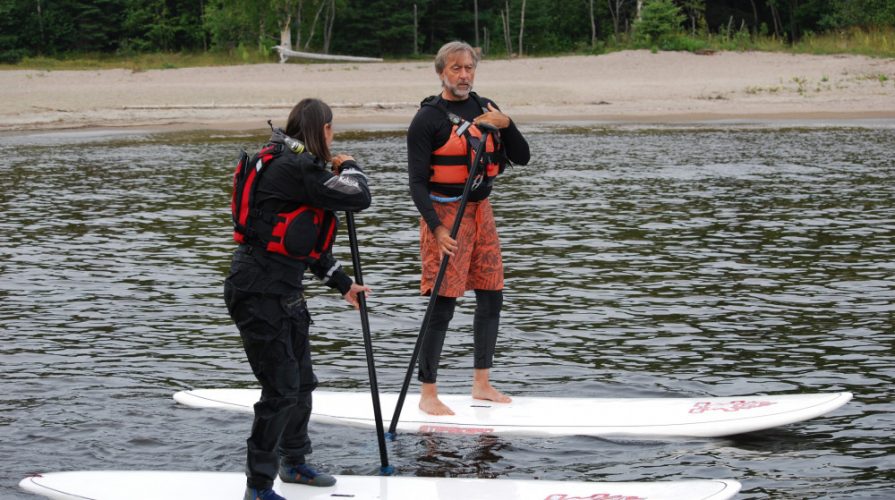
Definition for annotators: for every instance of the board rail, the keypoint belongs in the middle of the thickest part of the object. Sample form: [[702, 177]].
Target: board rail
[[544, 416], [157, 485]]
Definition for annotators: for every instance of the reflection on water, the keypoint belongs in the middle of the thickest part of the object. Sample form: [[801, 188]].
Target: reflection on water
[[666, 262]]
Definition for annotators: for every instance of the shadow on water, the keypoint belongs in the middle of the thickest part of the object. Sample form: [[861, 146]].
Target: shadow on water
[[641, 262]]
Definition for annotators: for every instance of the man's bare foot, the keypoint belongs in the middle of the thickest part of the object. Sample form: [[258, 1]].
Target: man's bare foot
[[482, 388], [430, 403], [489, 393], [434, 406]]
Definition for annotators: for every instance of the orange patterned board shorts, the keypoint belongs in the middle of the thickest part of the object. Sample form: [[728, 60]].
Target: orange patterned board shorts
[[476, 265]]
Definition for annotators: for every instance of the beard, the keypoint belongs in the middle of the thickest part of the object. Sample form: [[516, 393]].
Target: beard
[[455, 90]]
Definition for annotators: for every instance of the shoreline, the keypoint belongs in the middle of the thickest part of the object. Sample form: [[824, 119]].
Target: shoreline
[[864, 119], [621, 88]]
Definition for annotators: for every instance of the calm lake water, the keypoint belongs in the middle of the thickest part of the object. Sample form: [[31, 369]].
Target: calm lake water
[[641, 262]]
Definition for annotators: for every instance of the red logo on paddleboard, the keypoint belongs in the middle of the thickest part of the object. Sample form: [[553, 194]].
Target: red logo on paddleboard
[[449, 429], [595, 496], [729, 406]]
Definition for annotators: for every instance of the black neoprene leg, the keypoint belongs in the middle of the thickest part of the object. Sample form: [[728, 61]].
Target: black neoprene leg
[[430, 350], [486, 321], [274, 331]]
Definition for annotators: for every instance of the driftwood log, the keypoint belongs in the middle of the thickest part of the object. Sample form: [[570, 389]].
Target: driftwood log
[[286, 53]]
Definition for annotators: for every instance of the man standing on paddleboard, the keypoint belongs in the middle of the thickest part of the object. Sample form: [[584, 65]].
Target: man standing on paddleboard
[[284, 204], [441, 141]]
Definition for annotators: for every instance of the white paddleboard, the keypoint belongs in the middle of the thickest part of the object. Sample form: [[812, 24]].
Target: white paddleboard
[[539, 416], [163, 485]]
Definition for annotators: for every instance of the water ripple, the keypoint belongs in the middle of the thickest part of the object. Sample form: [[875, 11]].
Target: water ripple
[[640, 263]]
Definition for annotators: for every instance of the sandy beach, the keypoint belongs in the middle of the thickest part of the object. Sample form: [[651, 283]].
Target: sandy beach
[[622, 87]]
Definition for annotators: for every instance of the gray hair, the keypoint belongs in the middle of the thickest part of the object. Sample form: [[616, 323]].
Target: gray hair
[[450, 48]]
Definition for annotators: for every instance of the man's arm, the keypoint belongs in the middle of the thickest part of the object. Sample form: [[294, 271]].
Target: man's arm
[[515, 144], [420, 144]]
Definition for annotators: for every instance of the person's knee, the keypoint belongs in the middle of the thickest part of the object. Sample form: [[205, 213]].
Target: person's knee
[[280, 374], [488, 303], [272, 404], [306, 386], [443, 312]]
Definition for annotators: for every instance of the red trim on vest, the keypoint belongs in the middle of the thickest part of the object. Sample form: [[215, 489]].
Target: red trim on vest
[[245, 180], [277, 243]]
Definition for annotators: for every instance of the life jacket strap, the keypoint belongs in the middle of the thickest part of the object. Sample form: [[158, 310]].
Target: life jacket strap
[[444, 199]]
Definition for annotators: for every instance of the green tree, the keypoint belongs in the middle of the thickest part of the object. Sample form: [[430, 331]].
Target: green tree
[[236, 23], [695, 12], [387, 26], [556, 26], [443, 21], [659, 20], [11, 47], [859, 13], [163, 25], [72, 26]]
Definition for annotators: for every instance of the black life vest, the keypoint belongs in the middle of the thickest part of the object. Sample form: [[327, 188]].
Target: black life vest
[[303, 233]]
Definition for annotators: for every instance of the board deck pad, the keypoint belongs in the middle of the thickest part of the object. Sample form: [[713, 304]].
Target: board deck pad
[[156, 485], [546, 416]]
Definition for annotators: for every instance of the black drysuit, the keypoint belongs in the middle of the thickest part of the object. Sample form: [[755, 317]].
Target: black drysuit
[[264, 296]]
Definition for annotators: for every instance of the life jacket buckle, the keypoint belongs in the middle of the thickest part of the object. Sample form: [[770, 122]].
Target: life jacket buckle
[[477, 182], [463, 128]]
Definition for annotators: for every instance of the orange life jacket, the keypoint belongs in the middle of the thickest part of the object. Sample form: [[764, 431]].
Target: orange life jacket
[[450, 163]]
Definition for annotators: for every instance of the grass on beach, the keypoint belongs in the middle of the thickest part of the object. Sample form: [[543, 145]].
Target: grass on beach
[[873, 43], [144, 62]]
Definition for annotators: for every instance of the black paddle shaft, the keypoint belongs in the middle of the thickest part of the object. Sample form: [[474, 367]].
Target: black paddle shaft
[[368, 341], [455, 228]]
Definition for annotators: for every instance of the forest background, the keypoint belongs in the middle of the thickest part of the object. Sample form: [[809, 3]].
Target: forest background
[[37, 32]]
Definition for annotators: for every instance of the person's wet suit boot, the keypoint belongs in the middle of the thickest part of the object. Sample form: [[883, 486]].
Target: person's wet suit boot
[[304, 474], [261, 494]]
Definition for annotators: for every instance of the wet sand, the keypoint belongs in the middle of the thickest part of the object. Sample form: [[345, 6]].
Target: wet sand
[[622, 87]]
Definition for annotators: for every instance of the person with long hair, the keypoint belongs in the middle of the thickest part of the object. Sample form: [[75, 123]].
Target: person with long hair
[[285, 221]]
